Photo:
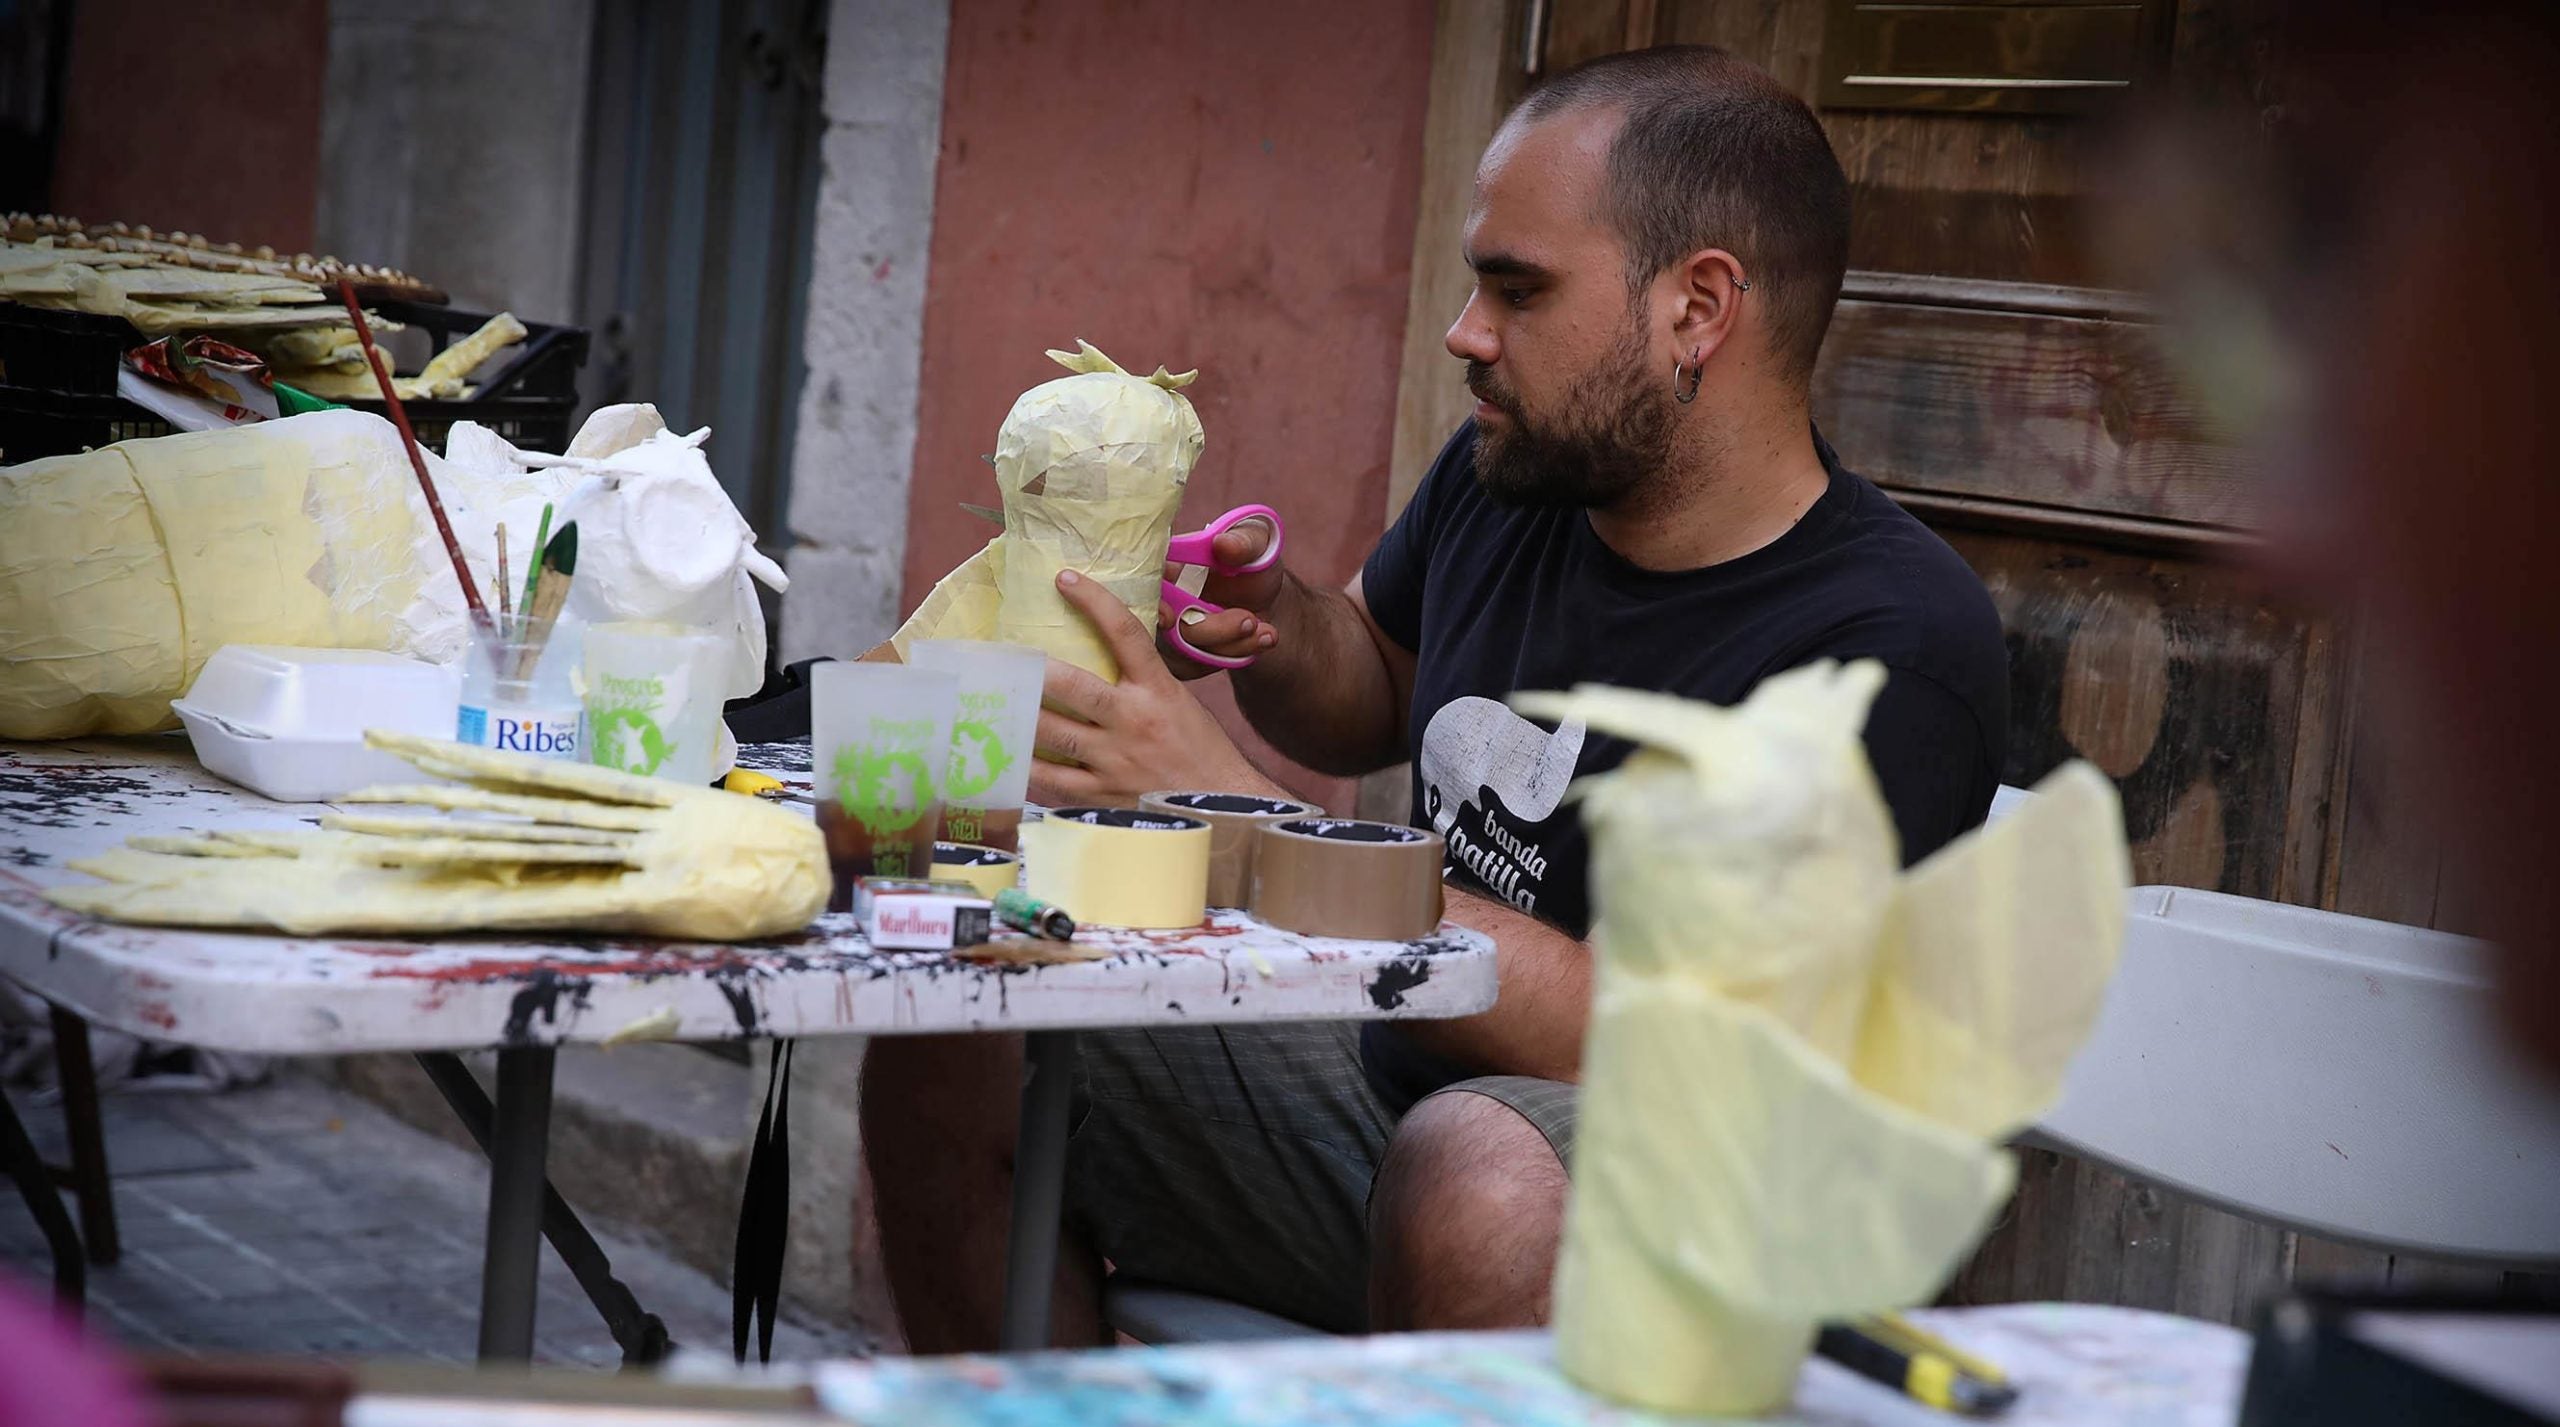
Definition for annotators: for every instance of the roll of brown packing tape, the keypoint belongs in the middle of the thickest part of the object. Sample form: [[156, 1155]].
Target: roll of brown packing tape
[[1234, 820], [1119, 867], [989, 870], [1336, 877]]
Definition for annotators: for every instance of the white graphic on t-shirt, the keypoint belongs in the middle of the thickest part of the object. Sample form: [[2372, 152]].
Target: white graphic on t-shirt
[[1490, 778]]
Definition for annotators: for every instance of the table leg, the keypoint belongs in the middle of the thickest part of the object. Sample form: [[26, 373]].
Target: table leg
[[19, 1160], [88, 1127], [642, 1337], [1039, 1189], [519, 1137]]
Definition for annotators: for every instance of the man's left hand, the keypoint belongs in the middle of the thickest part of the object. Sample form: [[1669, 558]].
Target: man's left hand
[[1137, 736]]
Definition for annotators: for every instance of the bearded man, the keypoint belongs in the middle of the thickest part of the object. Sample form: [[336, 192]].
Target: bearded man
[[1640, 499]]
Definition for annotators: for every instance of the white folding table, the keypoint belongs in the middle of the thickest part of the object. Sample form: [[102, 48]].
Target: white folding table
[[523, 997]]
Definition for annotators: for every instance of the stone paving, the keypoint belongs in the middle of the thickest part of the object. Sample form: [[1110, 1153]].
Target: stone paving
[[295, 1218]]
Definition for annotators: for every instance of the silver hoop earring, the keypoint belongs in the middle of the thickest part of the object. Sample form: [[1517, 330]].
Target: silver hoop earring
[[1685, 379], [1743, 283]]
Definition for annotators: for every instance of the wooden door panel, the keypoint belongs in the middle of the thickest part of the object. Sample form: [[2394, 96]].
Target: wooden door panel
[[1993, 400], [2178, 677]]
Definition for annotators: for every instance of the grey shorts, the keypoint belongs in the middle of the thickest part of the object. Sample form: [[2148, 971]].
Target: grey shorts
[[1237, 1162]]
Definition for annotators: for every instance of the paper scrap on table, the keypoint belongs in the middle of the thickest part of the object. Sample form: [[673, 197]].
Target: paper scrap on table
[[659, 1025], [1091, 468], [1800, 1060], [1033, 951]]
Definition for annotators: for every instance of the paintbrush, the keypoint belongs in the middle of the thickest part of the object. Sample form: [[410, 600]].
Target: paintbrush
[[505, 608], [550, 592], [533, 567], [417, 457]]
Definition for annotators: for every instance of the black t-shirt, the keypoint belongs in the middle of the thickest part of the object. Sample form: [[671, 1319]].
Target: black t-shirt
[[1494, 599]]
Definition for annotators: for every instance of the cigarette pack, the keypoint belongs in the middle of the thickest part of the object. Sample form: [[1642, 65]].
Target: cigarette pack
[[924, 916]]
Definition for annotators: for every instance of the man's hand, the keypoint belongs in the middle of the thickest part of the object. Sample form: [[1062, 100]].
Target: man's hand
[[1243, 629], [1140, 735]]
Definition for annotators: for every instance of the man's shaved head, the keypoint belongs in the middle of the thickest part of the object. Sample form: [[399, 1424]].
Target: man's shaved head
[[1711, 152]]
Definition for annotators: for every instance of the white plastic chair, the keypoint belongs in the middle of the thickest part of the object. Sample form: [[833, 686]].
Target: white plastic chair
[[2322, 1072]]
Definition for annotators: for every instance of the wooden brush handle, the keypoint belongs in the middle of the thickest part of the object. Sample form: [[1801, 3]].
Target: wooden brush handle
[[548, 597]]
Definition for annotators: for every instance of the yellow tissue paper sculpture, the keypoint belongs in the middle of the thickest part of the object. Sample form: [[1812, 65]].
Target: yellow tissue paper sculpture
[[1801, 1060], [1091, 467], [558, 846]]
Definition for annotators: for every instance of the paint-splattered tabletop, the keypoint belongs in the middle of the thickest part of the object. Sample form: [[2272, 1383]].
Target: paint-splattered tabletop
[[2078, 1364], [315, 995]]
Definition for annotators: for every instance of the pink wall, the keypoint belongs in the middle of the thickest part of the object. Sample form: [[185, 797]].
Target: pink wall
[[1226, 186], [201, 116]]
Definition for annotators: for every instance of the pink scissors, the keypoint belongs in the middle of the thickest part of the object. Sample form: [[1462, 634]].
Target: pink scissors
[[1200, 548]]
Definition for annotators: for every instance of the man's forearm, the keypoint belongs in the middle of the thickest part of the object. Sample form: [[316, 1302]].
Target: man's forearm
[[1536, 1026], [1325, 696]]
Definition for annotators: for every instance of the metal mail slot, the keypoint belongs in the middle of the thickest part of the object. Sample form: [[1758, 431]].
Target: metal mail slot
[[1991, 56]]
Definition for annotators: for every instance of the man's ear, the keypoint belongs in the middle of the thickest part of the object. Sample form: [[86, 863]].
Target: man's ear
[[1708, 290]]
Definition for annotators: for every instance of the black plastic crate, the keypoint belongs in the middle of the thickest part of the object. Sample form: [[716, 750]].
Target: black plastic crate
[[74, 353], [58, 382], [529, 400], [35, 424]]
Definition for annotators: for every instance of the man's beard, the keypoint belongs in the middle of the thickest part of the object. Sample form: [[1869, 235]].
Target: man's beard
[[1611, 438]]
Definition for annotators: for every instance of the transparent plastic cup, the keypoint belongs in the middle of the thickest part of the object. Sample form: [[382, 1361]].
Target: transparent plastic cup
[[516, 693], [880, 736], [653, 699], [991, 735]]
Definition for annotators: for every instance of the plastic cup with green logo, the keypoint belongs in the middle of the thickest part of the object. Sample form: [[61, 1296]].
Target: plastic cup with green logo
[[879, 737], [991, 735], [653, 696]]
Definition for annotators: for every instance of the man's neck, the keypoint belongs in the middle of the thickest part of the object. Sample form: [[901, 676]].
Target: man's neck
[[1724, 501]]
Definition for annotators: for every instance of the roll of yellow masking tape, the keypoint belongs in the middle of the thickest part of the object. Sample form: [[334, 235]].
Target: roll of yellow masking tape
[[1119, 867], [1336, 877], [1235, 820], [988, 870]]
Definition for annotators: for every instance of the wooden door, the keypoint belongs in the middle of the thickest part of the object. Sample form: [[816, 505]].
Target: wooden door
[[1980, 370]]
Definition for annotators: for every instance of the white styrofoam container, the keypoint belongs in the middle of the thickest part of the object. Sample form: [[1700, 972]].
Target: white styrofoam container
[[290, 723]]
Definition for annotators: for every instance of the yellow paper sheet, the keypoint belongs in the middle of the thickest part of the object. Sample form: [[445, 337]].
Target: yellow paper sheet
[[1996, 960], [1800, 1061], [1747, 849], [1732, 1188]]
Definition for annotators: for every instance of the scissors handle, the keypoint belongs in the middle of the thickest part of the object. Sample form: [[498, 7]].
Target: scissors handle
[[1173, 600], [1200, 547]]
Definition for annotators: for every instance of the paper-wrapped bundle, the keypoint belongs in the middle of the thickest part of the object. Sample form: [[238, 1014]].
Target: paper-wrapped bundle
[[123, 569], [1801, 1062], [1091, 468], [544, 844]]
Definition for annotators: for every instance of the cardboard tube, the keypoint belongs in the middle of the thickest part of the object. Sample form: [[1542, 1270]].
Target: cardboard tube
[[1118, 867], [1235, 820], [1336, 877], [988, 870]]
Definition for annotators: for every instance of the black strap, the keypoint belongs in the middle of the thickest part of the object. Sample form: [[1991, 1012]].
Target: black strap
[[20, 1161], [764, 1217], [776, 713]]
